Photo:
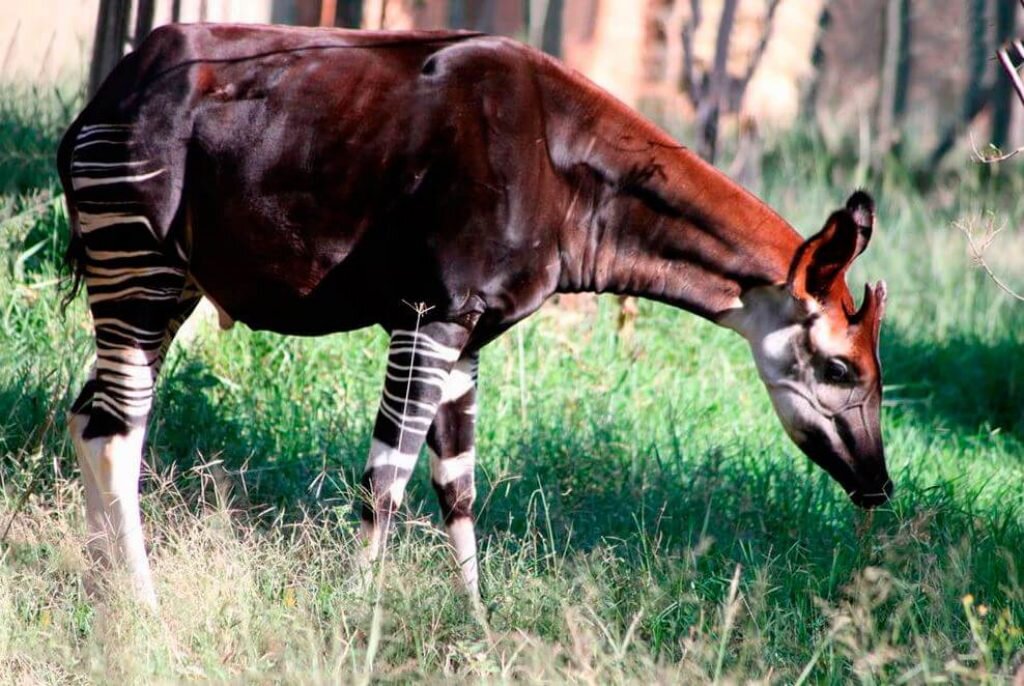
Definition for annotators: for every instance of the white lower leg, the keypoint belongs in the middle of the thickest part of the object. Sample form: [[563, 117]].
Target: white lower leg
[[390, 469], [110, 468], [463, 539], [96, 545]]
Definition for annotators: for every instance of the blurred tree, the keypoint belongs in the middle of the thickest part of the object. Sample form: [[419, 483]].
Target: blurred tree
[[545, 25], [810, 99], [143, 21], [457, 15], [350, 14], [895, 80], [714, 90], [977, 91], [1006, 25], [110, 41]]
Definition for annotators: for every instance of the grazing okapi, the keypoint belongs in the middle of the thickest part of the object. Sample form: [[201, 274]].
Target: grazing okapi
[[312, 181]]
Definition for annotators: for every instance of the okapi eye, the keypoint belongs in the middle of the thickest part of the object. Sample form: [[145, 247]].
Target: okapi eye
[[836, 371]]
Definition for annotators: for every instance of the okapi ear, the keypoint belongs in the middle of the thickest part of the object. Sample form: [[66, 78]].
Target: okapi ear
[[821, 262], [862, 208]]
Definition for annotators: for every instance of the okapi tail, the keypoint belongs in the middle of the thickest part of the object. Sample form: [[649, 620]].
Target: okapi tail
[[74, 256]]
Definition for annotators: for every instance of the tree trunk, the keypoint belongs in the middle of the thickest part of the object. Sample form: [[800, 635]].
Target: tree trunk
[[486, 14], [1003, 98], [976, 94], [457, 14], [545, 25], [892, 98], [375, 14], [810, 98], [710, 105], [143, 21], [350, 14], [551, 41], [111, 37], [328, 12]]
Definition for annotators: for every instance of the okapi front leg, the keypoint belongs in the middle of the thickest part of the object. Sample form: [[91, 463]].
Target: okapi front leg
[[451, 443], [419, 364]]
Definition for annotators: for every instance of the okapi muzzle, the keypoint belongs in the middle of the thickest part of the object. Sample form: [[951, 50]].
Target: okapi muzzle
[[818, 355]]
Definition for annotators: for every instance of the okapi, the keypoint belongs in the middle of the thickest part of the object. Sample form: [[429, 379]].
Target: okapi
[[314, 181]]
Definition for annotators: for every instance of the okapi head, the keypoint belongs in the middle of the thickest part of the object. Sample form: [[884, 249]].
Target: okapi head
[[818, 355]]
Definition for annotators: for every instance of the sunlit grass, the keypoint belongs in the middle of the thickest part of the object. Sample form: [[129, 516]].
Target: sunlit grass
[[624, 485]]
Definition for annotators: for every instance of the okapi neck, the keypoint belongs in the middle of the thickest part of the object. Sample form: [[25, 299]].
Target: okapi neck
[[684, 234]]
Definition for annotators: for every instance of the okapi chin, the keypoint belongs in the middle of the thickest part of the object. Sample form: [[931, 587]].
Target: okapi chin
[[317, 181]]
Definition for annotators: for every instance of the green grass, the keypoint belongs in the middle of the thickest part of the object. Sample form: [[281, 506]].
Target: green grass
[[643, 517]]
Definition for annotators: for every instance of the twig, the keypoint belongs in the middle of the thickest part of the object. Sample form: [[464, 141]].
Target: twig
[[1004, 57], [986, 159], [978, 252]]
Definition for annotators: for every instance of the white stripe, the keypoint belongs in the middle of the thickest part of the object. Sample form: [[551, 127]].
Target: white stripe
[[99, 142], [93, 221], [460, 382], [78, 182], [109, 164], [142, 293], [424, 341], [109, 321], [404, 404], [447, 356], [132, 394], [94, 127], [129, 271], [440, 374], [402, 422], [103, 255], [416, 379], [130, 376], [383, 455], [139, 274], [133, 356], [449, 469]]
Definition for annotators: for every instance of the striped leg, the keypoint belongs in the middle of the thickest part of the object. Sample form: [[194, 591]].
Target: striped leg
[[452, 456], [138, 296], [419, 363], [110, 456]]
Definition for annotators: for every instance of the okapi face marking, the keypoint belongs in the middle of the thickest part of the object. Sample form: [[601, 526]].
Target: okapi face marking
[[818, 355]]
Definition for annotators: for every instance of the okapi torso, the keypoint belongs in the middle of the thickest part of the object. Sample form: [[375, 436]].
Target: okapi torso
[[314, 181]]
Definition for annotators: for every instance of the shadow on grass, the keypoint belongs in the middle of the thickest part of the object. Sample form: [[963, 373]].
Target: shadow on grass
[[580, 481], [269, 465], [963, 382]]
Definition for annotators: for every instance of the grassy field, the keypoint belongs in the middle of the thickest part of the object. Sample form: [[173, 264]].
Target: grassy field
[[643, 517]]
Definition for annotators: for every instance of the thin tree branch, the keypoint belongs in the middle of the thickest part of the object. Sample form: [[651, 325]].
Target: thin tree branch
[[996, 156], [1008, 66], [978, 254], [692, 84]]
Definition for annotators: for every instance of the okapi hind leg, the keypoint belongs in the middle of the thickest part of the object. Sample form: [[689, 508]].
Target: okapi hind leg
[[123, 191], [451, 444], [109, 448], [419, 366]]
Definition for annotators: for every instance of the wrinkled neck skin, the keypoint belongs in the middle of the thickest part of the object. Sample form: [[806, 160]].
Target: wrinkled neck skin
[[686, 235]]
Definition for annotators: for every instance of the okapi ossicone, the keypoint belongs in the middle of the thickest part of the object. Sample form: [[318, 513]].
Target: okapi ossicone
[[314, 181]]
